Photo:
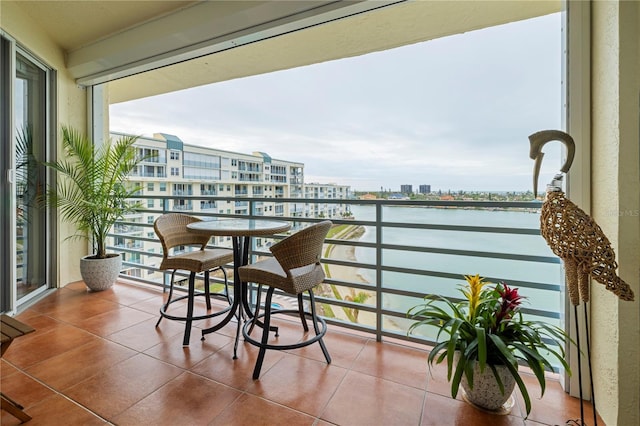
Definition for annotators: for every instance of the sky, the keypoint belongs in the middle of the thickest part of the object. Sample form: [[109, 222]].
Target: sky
[[454, 113]]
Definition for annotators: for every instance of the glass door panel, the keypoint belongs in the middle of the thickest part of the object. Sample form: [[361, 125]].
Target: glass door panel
[[30, 100]]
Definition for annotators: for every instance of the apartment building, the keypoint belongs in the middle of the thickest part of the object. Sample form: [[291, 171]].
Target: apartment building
[[329, 209], [174, 177]]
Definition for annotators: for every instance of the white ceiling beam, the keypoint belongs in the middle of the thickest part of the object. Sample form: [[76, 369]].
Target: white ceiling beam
[[199, 30]]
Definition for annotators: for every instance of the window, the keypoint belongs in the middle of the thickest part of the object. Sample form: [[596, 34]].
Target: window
[[234, 163], [175, 155], [163, 186], [175, 171], [151, 204], [150, 186], [150, 219], [207, 205], [182, 189]]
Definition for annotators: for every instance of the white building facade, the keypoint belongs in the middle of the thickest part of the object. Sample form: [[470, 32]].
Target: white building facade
[[201, 181]]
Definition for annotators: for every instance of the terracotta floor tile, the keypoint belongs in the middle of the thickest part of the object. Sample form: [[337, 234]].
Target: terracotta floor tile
[[130, 295], [37, 347], [78, 313], [115, 389], [114, 320], [555, 407], [7, 369], [403, 365], [437, 380], [343, 348], [187, 357], [251, 410], [144, 335], [150, 305], [57, 410], [300, 383], [236, 373], [290, 331], [80, 363], [24, 390], [228, 330], [186, 400], [78, 286], [40, 322], [442, 411], [63, 297], [362, 399]]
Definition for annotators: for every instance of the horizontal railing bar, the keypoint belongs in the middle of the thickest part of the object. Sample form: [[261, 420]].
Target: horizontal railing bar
[[139, 232], [473, 253]]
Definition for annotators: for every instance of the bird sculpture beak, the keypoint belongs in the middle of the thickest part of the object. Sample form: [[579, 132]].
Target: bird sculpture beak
[[538, 140]]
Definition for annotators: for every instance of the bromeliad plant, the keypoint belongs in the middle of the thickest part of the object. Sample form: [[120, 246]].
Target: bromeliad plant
[[488, 327]]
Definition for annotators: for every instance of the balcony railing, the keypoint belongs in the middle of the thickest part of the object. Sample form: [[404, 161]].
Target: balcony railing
[[383, 256]]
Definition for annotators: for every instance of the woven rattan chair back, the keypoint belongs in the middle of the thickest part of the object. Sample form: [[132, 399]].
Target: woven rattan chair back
[[172, 231], [302, 248]]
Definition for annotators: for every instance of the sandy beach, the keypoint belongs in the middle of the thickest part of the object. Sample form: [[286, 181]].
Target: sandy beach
[[348, 274]]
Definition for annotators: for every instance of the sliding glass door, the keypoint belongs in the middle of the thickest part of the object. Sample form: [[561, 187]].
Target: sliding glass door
[[25, 123]]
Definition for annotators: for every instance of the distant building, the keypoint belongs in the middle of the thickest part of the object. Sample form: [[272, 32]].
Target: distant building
[[368, 196], [425, 189], [191, 179], [406, 189]]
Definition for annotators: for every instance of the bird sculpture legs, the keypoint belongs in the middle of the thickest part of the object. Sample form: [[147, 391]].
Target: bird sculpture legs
[[578, 287]]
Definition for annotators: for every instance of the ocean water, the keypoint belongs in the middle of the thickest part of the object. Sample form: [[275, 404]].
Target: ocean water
[[495, 270]]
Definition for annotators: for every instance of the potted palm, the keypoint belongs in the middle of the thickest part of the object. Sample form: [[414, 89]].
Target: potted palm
[[92, 193], [484, 337]]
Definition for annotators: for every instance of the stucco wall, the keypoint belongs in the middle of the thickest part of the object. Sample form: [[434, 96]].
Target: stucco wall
[[616, 205], [71, 108]]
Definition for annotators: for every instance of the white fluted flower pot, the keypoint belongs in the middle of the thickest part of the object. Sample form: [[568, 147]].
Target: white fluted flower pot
[[486, 392], [100, 274]]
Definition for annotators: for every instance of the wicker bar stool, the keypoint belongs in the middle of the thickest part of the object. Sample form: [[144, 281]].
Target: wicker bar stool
[[295, 269], [172, 230]]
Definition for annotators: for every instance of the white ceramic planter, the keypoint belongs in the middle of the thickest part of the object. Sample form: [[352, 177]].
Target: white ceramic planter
[[486, 392], [100, 274]]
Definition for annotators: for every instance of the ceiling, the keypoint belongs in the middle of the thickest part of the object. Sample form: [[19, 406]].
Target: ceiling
[[146, 48]]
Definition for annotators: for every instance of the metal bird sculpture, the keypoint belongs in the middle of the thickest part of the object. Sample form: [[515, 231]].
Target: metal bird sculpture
[[578, 240], [571, 233]]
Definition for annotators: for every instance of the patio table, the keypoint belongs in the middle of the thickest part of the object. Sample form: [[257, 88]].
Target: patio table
[[241, 231]]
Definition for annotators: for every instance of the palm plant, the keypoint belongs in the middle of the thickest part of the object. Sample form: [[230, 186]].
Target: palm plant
[[92, 192], [488, 327], [27, 173]]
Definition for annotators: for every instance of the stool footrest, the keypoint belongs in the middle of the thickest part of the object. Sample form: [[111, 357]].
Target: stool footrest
[[314, 339]]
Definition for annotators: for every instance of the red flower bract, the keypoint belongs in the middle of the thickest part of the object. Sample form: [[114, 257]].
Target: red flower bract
[[510, 302]]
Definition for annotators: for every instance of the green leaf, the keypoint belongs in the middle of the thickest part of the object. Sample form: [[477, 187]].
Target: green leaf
[[482, 347]]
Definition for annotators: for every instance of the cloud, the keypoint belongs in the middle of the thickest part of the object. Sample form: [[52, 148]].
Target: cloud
[[454, 112]]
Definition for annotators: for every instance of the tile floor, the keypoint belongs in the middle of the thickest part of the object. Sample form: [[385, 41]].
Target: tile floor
[[96, 358]]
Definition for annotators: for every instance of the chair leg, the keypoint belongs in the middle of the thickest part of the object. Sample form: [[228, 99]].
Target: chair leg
[[312, 301], [265, 333], [166, 305], [254, 320], [301, 313], [207, 291], [226, 285], [192, 292], [13, 408]]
